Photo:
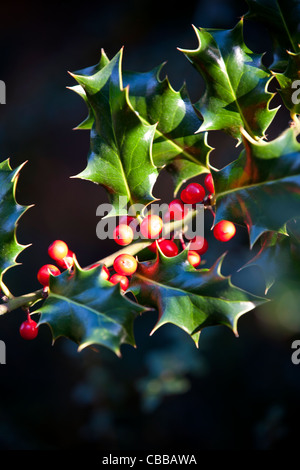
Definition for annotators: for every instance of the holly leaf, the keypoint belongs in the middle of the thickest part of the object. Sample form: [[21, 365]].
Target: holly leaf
[[120, 153], [10, 213], [236, 83], [261, 189], [279, 255], [293, 230], [289, 82], [273, 258], [89, 310], [281, 19], [189, 298], [87, 123], [176, 145]]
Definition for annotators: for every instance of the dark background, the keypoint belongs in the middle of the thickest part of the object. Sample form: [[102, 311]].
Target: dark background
[[231, 393]]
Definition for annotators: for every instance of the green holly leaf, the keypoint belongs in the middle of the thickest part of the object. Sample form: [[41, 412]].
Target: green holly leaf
[[120, 154], [273, 258], [289, 82], [10, 213], [293, 230], [261, 189], [236, 83], [89, 310], [176, 145], [87, 123], [278, 257], [281, 19], [189, 298]]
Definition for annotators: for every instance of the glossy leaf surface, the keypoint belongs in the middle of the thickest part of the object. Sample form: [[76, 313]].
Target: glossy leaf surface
[[176, 144], [189, 298], [281, 19], [261, 189], [120, 152], [89, 310], [10, 212], [235, 81], [289, 82]]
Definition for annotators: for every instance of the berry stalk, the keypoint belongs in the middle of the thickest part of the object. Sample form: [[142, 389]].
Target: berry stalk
[[138, 246], [22, 301], [28, 300]]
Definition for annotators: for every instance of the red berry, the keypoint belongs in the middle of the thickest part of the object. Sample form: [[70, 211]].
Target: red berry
[[194, 258], [193, 193], [168, 247], [95, 265], [125, 264], [118, 278], [151, 226], [126, 219], [129, 220], [67, 262], [199, 244], [58, 250], [176, 210], [224, 230], [184, 196], [104, 273], [152, 247], [123, 234], [29, 329], [209, 183], [44, 272]]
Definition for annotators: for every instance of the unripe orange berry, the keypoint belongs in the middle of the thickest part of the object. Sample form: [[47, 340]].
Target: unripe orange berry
[[123, 234], [125, 264], [151, 226], [58, 250], [194, 258]]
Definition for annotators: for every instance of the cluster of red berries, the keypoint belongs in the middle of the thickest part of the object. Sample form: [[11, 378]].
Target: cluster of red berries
[[124, 265], [60, 252], [195, 193], [64, 257], [152, 225]]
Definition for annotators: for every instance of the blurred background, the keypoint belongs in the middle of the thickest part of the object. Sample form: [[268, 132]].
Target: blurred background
[[231, 393]]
